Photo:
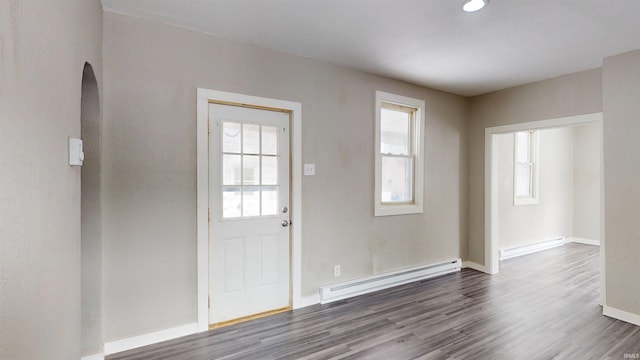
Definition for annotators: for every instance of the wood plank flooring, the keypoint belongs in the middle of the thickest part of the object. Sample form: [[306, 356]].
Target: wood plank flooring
[[540, 306]]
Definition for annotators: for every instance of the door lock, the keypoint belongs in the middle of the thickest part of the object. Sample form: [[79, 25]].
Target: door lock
[[284, 223]]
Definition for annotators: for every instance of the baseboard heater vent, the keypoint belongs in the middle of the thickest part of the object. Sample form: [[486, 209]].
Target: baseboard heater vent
[[531, 248], [379, 282]]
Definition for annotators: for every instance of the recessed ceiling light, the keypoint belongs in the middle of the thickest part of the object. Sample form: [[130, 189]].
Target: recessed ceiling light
[[474, 5]]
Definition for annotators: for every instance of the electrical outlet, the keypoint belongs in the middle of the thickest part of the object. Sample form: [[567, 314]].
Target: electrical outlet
[[336, 270]]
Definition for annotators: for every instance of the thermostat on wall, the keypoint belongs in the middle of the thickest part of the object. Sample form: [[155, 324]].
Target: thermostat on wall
[[76, 155]]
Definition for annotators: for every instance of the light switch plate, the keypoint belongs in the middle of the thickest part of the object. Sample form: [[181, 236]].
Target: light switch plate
[[76, 154], [309, 169]]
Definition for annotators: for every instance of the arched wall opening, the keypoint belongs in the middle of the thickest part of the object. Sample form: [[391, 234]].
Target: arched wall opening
[[91, 215]]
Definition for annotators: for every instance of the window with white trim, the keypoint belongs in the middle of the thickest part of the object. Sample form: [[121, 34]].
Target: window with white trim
[[399, 165], [525, 168]]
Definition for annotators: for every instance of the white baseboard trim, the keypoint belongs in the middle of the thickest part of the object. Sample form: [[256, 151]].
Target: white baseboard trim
[[474, 266], [150, 338], [531, 248], [583, 241], [621, 315], [309, 300], [93, 357]]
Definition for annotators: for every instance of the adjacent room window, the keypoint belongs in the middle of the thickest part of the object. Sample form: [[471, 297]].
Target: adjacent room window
[[399, 155], [525, 174]]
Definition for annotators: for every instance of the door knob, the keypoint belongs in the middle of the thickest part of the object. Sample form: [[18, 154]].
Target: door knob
[[285, 223]]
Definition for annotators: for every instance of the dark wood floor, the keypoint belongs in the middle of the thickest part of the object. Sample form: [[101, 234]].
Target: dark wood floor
[[540, 306]]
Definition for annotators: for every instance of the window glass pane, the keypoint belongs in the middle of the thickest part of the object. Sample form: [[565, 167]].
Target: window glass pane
[[522, 150], [523, 180], [397, 177], [269, 200], [231, 202], [251, 201], [251, 170], [394, 132], [231, 170], [269, 170], [231, 137], [251, 138], [269, 140]]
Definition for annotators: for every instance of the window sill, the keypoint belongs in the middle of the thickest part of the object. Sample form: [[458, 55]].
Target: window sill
[[401, 209], [525, 201]]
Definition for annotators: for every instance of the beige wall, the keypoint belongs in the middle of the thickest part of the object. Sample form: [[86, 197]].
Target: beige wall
[[151, 74], [552, 216], [568, 95], [587, 150], [621, 94], [43, 48]]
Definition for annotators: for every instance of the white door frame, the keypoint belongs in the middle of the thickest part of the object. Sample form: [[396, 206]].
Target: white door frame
[[491, 220], [202, 143]]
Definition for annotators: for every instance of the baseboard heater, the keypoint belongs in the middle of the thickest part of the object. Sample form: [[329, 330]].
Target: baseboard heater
[[383, 281], [531, 248]]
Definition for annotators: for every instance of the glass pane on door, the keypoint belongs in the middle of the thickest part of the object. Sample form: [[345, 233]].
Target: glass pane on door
[[231, 202], [270, 200], [269, 170], [249, 170], [231, 165], [231, 137], [269, 140], [250, 139], [251, 201]]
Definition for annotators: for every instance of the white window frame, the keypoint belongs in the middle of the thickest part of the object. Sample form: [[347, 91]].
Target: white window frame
[[417, 150], [532, 199]]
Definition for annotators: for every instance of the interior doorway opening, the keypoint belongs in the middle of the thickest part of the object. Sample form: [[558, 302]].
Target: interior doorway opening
[[492, 185], [91, 215]]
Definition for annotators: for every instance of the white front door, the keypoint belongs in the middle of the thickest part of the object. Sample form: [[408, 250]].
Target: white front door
[[249, 245]]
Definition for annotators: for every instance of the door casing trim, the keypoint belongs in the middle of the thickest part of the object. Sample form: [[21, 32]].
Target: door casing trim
[[204, 97]]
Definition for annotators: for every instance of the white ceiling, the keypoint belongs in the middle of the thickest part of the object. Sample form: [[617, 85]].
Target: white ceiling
[[427, 42]]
